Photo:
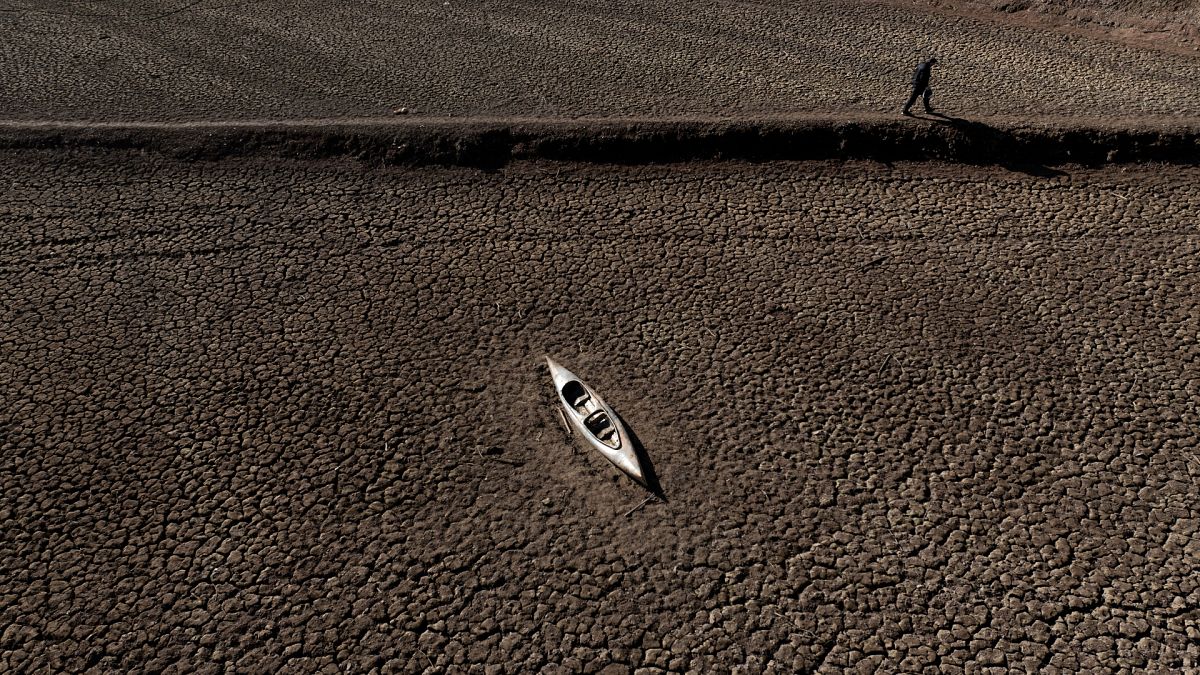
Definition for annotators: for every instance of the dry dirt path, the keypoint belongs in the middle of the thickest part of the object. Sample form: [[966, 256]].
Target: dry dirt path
[[269, 414], [219, 59]]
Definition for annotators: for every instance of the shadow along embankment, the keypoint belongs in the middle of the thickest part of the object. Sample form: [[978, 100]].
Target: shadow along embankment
[[492, 144]]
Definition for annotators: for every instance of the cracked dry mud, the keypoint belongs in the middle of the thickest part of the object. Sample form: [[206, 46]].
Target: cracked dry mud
[[261, 415], [139, 59]]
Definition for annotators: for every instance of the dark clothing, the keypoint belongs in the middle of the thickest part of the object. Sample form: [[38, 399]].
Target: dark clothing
[[926, 93], [920, 86], [921, 75]]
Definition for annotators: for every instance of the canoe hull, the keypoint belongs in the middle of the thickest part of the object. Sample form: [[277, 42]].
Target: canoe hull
[[592, 418]]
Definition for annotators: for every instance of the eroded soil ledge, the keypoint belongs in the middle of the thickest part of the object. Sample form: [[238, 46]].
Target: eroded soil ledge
[[495, 143]]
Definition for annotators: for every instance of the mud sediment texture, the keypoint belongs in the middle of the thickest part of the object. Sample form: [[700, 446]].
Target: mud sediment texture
[[216, 59], [267, 415]]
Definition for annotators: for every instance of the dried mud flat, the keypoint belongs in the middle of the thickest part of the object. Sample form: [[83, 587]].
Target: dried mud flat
[[222, 59], [264, 415]]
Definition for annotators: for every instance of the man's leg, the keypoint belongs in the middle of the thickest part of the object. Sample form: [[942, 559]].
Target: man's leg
[[911, 100], [928, 95]]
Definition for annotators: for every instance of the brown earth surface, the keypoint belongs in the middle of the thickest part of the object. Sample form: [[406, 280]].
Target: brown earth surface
[[1171, 25], [265, 414], [261, 414], [216, 59]]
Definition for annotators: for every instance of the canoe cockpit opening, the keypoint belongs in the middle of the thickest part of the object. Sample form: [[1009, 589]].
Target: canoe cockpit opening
[[575, 395], [602, 428]]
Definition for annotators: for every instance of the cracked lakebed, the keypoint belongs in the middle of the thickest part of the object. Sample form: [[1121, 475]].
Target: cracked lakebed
[[908, 417]]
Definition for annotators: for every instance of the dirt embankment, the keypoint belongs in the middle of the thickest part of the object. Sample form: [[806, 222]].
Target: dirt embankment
[[496, 143]]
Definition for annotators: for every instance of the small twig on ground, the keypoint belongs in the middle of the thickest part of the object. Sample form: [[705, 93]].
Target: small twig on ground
[[566, 426], [495, 458], [644, 502], [884, 364], [422, 653], [1195, 460], [873, 263], [860, 232], [804, 631]]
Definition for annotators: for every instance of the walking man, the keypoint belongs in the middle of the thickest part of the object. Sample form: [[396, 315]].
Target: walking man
[[920, 85]]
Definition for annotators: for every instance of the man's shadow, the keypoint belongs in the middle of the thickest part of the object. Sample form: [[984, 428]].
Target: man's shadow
[[986, 138]]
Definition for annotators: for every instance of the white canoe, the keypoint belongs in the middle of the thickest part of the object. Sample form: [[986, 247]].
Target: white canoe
[[591, 418]]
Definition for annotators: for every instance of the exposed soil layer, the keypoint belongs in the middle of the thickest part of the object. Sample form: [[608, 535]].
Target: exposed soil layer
[[216, 59], [265, 414], [481, 143]]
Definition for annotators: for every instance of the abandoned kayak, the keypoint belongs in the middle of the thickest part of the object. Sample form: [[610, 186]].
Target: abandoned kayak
[[591, 418]]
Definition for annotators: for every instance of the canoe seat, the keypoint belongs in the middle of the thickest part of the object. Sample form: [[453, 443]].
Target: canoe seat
[[602, 428], [576, 395]]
